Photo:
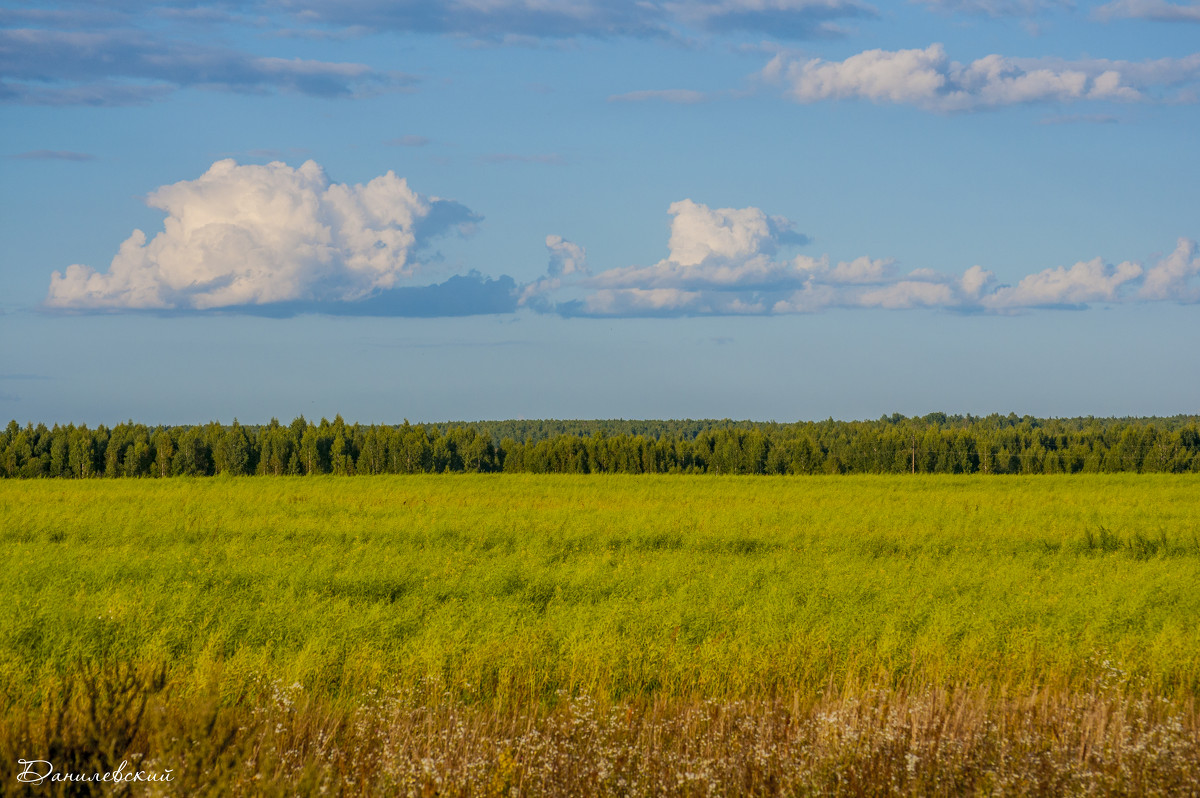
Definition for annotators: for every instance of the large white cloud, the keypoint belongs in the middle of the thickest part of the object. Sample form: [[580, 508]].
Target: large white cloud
[[248, 235], [928, 79]]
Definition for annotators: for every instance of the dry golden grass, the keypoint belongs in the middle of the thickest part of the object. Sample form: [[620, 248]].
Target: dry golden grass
[[856, 740]]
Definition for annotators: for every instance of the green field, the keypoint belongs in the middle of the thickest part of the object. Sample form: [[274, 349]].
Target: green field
[[514, 596]]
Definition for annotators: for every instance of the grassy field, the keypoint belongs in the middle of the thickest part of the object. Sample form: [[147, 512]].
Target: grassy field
[[788, 611]]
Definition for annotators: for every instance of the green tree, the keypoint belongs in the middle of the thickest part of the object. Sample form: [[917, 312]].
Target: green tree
[[81, 452], [164, 451], [233, 452]]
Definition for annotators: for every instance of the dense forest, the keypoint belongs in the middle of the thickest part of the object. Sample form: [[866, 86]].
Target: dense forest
[[935, 443]]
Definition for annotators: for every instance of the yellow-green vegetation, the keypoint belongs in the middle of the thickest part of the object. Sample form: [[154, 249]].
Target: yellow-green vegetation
[[518, 596], [514, 588]]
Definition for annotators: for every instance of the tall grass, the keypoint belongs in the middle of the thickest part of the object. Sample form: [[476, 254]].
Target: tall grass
[[511, 599]]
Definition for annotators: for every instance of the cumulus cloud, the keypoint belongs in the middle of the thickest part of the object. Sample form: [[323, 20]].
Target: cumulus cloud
[[727, 261], [908, 294], [1157, 10], [566, 258], [252, 235], [975, 281], [1175, 276], [1085, 282], [277, 241], [859, 270], [928, 79], [716, 247], [568, 262], [699, 233]]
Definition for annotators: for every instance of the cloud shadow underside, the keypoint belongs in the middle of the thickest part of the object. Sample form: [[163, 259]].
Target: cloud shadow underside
[[470, 294]]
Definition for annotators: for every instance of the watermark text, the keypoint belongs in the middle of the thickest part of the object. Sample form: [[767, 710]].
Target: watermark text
[[39, 771]]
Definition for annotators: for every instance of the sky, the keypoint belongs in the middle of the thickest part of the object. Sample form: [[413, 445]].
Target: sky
[[752, 209]]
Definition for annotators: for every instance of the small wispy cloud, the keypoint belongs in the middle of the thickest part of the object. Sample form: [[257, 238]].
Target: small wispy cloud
[[127, 66], [54, 155], [1079, 119], [522, 23], [551, 158], [680, 96], [1156, 10], [998, 8]]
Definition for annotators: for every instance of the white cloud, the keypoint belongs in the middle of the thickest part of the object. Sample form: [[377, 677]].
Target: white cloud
[[1086, 281], [716, 247], [699, 233], [669, 302], [1174, 277], [860, 270], [568, 261], [876, 287], [928, 79], [249, 235], [1157, 10], [909, 294], [566, 258], [725, 261], [639, 301], [905, 76], [975, 281], [812, 298]]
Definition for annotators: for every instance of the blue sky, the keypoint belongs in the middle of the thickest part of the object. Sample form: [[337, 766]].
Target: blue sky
[[770, 209]]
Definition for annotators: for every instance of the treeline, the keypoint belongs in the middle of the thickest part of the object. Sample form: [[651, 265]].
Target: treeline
[[935, 443]]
